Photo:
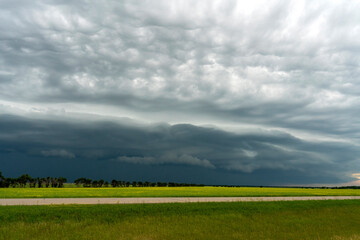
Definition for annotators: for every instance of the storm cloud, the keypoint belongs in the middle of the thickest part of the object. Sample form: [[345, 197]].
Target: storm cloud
[[228, 87], [164, 145]]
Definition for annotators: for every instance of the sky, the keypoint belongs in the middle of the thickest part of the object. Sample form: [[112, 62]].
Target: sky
[[212, 92]]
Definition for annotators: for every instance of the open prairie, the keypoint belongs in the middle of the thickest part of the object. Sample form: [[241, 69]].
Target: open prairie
[[171, 192], [240, 220]]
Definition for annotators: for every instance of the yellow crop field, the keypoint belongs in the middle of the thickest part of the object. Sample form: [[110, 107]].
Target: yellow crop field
[[171, 192]]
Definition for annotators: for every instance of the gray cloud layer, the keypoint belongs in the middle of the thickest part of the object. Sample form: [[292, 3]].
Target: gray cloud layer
[[178, 145], [286, 65]]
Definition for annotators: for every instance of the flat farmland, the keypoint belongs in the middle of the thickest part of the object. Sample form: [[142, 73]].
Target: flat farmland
[[171, 192], [337, 220]]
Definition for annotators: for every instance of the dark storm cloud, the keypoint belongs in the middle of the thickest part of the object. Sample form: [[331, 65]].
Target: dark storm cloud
[[286, 65], [174, 145]]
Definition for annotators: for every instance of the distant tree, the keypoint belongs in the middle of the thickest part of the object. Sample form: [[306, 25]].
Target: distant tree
[[161, 184], [47, 182], [12, 182], [54, 182], [38, 182], [32, 182], [94, 183], [61, 181], [114, 183], [23, 180], [41, 182], [87, 182], [134, 184], [100, 183], [119, 183], [6, 183], [106, 184], [80, 181], [2, 180]]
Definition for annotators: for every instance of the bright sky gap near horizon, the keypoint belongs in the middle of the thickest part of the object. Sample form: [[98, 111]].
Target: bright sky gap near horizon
[[213, 92]]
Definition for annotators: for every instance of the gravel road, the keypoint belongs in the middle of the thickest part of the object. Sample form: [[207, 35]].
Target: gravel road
[[49, 201]]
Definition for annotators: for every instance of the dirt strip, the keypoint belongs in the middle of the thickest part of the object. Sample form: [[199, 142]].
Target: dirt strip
[[50, 201]]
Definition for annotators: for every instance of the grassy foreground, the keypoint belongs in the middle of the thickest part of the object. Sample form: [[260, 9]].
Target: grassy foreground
[[170, 192], [239, 220]]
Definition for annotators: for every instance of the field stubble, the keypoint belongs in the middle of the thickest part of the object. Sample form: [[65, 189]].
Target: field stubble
[[239, 220]]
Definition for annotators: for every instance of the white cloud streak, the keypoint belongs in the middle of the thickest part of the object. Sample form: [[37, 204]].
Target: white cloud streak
[[166, 159], [58, 153]]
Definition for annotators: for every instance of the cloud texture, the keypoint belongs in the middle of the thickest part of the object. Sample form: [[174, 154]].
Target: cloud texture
[[237, 86]]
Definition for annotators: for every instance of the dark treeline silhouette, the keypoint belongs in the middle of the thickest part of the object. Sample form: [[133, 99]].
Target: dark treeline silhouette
[[347, 187], [26, 179], [87, 182]]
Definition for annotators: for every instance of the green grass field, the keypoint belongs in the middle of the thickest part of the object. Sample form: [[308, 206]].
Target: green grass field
[[170, 192], [239, 220]]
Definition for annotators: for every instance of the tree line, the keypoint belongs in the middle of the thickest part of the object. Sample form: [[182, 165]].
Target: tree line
[[87, 182], [58, 182], [26, 180]]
